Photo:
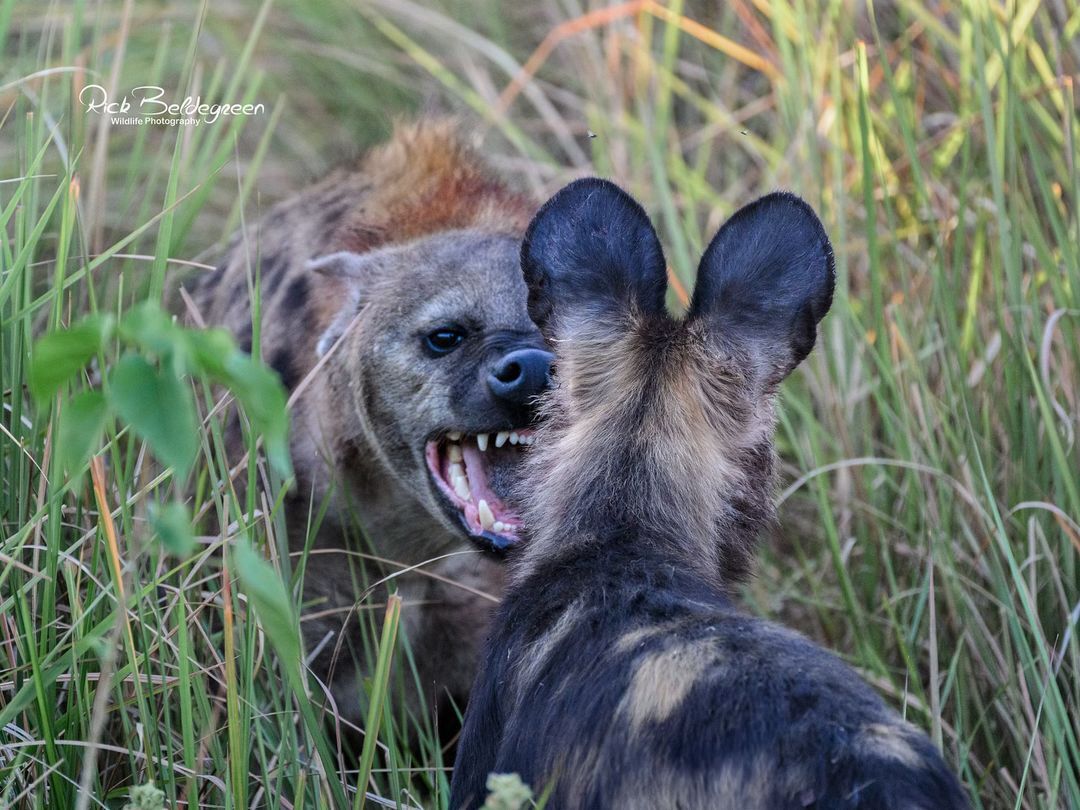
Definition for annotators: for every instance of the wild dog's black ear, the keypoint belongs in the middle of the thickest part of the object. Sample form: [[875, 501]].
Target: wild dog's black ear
[[592, 250], [766, 280]]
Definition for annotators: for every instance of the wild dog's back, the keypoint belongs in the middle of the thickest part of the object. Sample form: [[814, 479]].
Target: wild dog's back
[[619, 672], [643, 687]]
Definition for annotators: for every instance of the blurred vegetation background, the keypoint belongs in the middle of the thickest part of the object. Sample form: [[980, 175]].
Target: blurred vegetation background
[[931, 501]]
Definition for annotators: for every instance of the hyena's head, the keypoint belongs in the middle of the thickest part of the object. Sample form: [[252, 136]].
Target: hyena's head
[[660, 430], [440, 366]]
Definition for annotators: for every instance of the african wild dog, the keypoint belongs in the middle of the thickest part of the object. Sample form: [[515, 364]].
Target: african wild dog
[[619, 672], [400, 274]]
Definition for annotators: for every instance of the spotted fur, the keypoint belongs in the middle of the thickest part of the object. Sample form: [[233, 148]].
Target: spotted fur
[[620, 673], [354, 269]]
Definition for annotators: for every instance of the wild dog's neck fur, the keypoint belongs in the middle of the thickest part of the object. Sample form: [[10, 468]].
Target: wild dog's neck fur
[[659, 432], [660, 435]]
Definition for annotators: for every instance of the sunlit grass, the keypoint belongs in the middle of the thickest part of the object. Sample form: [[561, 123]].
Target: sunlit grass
[[931, 501]]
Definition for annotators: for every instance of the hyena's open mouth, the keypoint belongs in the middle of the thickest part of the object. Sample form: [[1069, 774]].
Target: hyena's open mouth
[[475, 472]]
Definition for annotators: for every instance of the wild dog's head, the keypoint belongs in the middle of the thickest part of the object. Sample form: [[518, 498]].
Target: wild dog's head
[[438, 367], [660, 430]]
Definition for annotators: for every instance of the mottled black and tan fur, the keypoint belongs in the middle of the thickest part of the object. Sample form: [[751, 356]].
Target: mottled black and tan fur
[[620, 674]]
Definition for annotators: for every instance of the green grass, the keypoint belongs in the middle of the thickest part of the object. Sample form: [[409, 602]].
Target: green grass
[[931, 509]]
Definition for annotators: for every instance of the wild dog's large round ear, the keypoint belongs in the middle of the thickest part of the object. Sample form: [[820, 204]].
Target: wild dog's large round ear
[[766, 280], [591, 250]]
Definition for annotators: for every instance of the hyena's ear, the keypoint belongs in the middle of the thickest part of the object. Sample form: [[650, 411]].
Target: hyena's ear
[[765, 282], [356, 269], [591, 252]]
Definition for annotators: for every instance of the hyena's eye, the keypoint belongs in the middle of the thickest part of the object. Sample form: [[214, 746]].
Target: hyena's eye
[[444, 340]]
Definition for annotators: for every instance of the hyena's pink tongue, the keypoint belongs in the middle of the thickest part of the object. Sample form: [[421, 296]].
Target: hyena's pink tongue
[[485, 508]]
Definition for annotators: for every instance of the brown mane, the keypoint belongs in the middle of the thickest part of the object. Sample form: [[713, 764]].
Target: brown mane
[[425, 180]]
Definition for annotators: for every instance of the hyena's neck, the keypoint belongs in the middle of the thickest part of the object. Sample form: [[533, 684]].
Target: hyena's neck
[[339, 460], [651, 437]]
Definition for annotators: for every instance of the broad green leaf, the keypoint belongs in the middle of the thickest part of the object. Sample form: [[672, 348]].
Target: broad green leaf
[[58, 356], [159, 407], [210, 350], [172, 525], [81, 425], [260, 392], [257, 389], [152, 329]]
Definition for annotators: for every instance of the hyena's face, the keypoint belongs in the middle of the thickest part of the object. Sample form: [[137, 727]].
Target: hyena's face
[[655, 422], [444, 366]]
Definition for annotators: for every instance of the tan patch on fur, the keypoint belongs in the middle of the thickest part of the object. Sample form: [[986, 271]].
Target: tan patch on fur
[[536, 655], [628, 642], [662, 680], [890, 741]]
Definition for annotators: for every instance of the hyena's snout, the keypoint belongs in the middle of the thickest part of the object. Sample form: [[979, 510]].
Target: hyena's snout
[[519, 376]]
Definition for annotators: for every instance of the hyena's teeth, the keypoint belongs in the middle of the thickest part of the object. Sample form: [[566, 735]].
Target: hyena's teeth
[[487, 519], [525, 439], [499, 526], [453, 452], [482, 441], [501, 437], [454, 435], [460, 481], [514, 437]]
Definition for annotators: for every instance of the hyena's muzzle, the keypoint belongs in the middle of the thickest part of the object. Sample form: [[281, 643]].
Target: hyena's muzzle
[[474, 466]]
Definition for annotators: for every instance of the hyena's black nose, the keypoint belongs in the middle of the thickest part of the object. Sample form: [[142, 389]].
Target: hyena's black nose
[[520, 375]]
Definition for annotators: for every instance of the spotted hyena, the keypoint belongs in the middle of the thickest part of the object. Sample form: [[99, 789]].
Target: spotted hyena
[[392, 300], [620, 673]]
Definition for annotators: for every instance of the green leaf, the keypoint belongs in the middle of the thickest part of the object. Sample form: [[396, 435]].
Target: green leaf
[[271, 602], [159, 407], [256, 388], [172, 524], [261, 394], [58, 356], [210, 350], [152, 329], [81, 425]]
